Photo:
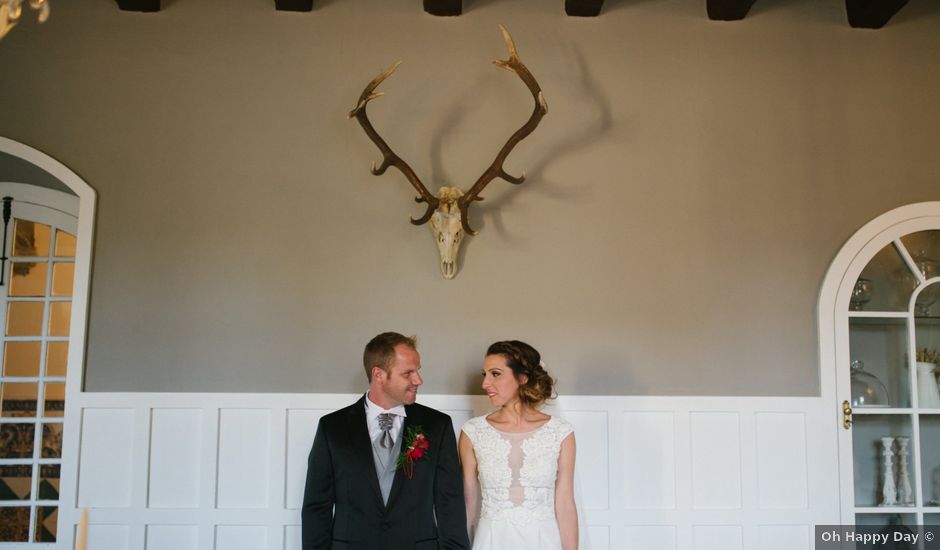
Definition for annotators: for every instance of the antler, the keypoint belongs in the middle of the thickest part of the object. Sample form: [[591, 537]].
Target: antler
[[495, 169], [389, 157]]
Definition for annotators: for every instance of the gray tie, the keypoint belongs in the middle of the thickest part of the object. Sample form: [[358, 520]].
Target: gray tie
[[385, 424]]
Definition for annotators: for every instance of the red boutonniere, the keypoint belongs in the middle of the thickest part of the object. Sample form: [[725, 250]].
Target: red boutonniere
[[416, 447]]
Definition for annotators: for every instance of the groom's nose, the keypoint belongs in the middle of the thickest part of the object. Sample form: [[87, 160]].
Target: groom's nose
[[417, 380]]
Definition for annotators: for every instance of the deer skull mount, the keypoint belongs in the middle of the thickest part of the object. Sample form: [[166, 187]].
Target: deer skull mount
[[447, 211]]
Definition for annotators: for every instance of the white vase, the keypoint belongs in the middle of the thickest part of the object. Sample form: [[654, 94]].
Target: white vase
[[928, 394], [905, 495], [889, 491]]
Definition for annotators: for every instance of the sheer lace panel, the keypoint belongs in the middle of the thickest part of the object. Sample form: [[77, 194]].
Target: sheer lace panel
[[516, 458], [517, 471]]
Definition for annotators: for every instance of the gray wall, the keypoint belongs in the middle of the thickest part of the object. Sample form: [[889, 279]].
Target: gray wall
[[687, 190]]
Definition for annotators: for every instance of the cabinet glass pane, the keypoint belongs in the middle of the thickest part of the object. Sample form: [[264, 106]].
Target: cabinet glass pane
[[21, 359], [63, 275], [46, 518], [57, 355], [24, 319], [64, 244], [28, 279], [16, 440], [889, 283], [60, 315], [18, 399], [54, 400], [14, 524], [881, 345], [51, 440], [927, 341], [16, 481], [31, 238], [930, 458], [924, 248], [49, 481], [867, 431], [886, 524]]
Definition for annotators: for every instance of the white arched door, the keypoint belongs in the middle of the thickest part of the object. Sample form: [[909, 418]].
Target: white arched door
[[38, 276], [879, 322], [46, 277]]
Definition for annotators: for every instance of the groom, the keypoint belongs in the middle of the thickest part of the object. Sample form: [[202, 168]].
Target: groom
[[383, 473]]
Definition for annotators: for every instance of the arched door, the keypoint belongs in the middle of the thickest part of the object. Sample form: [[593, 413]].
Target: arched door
[[37, 275], [879, 321], [46, 277]]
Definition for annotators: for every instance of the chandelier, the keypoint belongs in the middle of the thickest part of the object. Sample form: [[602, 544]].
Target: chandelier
[[10, 11]]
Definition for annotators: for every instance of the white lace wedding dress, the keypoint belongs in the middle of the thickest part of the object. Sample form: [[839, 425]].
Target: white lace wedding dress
[[517, 474]]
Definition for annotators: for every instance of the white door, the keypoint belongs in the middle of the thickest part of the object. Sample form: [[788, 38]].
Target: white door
[[38, 275]]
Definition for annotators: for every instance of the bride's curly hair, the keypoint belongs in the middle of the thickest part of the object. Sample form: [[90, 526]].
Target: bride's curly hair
[[523, 359]]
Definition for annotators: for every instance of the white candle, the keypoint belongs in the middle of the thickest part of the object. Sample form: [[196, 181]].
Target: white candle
[[81, 535]]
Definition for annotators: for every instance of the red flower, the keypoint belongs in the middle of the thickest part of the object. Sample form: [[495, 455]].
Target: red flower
[[416, 449]]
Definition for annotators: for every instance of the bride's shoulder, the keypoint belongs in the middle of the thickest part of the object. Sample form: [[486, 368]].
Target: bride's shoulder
[[560, 426], [474, 425]]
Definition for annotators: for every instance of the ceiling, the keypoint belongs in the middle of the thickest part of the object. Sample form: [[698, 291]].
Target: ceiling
[[869, 14]]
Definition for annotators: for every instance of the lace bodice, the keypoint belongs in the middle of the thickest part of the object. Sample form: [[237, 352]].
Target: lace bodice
[[517, 471]]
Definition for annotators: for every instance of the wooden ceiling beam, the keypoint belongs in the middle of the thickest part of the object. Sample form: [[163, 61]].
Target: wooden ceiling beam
[[293, 5], [443, 7], [139, 5], [728, 10], [872, 14], [583, 8]]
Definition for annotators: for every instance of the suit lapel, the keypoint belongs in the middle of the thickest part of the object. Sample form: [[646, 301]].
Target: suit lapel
[[362, 445], [400, 478]]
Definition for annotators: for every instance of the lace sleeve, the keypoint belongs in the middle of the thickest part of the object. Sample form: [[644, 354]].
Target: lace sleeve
[[470, 428], [472, 497], [563, 430]]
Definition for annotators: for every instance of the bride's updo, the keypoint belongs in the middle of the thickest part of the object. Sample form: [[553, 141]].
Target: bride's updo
[[523, 359]]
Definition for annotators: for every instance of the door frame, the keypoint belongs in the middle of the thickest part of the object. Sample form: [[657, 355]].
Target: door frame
[[87, 203], [832, 321]]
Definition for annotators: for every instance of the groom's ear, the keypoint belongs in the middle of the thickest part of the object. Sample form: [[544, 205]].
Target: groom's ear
[[376, 371]]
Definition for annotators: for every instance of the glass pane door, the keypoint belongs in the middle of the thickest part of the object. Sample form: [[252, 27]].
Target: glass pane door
[[36, 305]]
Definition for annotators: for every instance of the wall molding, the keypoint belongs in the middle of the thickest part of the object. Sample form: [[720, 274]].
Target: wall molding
[[660, 472]]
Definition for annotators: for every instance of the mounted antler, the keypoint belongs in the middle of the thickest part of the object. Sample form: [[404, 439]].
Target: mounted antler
[[495, 169], [448, 212], [389, 156]]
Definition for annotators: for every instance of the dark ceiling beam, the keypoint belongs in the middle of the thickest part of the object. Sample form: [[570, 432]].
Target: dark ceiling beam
[[293, 5], [583, 8], [728, 10], [139, 5], [871, 14], [443, 7]]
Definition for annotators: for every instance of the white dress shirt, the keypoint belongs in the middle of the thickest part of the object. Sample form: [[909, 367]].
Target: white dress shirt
[[372, 419]]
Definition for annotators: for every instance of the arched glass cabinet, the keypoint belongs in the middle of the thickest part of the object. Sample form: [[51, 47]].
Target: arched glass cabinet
[[880, 333]]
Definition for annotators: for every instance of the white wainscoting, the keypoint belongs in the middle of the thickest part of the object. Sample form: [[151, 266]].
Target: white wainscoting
[[226, 471]]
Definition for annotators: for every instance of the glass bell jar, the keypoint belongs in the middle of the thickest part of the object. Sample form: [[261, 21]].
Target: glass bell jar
[[867, 390]]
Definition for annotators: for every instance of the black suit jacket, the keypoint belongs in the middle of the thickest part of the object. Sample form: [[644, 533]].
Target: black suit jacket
[[343, 506]]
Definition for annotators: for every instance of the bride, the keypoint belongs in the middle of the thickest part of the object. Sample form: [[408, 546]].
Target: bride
[[518, 463]]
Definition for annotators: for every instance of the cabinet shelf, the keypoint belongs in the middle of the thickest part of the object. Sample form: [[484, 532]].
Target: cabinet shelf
[[881, 410], [886, 509], [878, 314], [875, 316], [893, 410]]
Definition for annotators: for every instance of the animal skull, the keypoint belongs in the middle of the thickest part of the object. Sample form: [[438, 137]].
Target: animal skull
[[447, 229], [447, 212]]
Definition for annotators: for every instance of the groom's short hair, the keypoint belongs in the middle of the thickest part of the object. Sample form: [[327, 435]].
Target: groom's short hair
[[380, 351]]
